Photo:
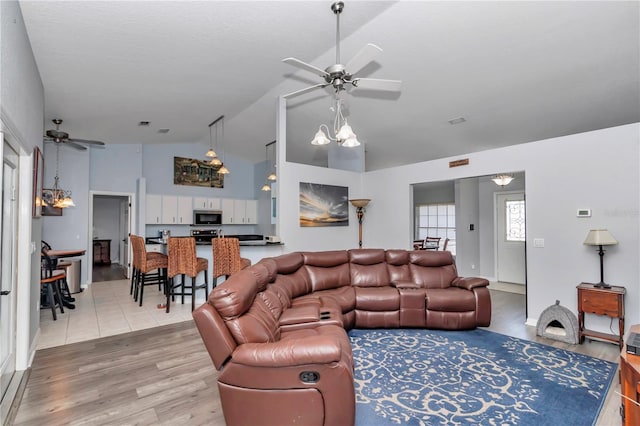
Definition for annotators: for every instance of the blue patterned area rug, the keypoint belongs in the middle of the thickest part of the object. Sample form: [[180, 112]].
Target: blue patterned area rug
[[477, 377]]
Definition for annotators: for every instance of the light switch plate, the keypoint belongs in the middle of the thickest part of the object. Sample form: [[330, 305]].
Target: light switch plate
[[538, 242]]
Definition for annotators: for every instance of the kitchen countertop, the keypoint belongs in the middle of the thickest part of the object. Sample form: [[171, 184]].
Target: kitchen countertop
[[247, 243]]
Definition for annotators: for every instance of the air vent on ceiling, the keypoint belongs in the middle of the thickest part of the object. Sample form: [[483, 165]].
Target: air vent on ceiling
[[144, 123], [457, 120], [163, 130]]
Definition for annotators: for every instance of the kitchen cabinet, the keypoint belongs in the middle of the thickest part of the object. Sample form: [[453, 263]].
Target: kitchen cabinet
[[185, 211], [228, 211], [251, 212], [239, 212], [153, 209], [205, 203], [169, 209]]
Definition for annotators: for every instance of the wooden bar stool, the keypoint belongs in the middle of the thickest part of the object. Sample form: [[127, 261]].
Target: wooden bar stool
[[144, 263], [183, 261], [226, 258], [50, 286]]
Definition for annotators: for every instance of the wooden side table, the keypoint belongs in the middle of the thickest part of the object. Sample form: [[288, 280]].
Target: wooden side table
[[601, 301], [630, 384]]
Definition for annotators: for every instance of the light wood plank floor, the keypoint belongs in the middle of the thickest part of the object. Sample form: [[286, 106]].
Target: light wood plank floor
[[163, 376]]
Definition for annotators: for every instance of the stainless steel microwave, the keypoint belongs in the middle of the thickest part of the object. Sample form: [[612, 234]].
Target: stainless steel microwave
[[207, 217]]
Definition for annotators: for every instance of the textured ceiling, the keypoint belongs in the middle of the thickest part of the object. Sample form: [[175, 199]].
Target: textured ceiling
[[518, 72]]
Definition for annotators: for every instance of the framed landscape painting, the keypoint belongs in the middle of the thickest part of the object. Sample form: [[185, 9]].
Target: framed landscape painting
[[323, 205]]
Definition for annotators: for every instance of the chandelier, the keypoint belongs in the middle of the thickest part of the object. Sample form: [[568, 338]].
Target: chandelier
[[344, 134], [59, 198]]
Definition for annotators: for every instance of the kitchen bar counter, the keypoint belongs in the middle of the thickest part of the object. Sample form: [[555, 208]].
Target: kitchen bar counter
[[250, 251]]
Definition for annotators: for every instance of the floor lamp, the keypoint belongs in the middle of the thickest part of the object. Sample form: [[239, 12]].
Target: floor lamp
[[600, 237], [360, 204]]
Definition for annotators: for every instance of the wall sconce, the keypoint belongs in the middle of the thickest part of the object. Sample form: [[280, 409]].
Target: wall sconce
[[360, 204]]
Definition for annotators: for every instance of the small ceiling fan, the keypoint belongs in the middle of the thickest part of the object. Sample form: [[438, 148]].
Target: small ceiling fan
[[63, 138], [339, 75]]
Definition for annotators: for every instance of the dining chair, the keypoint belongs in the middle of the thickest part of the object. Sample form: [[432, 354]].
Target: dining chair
[[226, 258], [418, 244], [149, 268], [49, 266], [183, 261], [445, 245], [432, 243]]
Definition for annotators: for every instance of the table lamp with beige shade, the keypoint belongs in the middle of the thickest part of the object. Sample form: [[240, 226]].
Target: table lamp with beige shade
[[600, 237]]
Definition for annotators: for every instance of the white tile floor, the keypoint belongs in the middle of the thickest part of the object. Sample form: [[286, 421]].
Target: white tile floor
[[106, 308]]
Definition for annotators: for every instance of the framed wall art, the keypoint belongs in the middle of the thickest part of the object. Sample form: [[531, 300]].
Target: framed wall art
[[192, 172], [38, 176], [323, 205]]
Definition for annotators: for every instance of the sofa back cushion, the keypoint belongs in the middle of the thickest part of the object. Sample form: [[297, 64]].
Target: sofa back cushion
[[247, 317], [432, 269], [291, 278], [398, 265], [368, 268], [327, 269]]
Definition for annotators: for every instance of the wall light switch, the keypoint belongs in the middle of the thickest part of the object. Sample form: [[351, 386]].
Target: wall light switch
[[471, 227], [538, 242]]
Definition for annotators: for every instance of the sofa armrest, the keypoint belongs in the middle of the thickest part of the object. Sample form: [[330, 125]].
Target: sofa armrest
[[404, 284], [289, 352], [300, 315], [469, 283]]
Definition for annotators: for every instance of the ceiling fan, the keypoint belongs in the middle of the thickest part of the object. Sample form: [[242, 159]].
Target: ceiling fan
[[63, 138], [339, 75]]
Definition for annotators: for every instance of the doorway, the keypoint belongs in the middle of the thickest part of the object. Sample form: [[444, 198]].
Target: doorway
[[8, 274], [110, 226]]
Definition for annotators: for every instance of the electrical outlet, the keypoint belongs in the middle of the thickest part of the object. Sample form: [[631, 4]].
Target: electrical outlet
[[538, 242]]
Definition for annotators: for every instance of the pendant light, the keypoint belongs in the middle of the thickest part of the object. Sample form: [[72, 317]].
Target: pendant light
[[272, 176], [215, 161], [223, 170]]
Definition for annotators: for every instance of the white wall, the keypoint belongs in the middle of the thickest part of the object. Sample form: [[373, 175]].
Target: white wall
[[597, 170], [21, 110]]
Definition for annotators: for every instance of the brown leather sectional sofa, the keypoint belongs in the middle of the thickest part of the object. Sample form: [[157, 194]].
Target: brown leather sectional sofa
[[277, 330]]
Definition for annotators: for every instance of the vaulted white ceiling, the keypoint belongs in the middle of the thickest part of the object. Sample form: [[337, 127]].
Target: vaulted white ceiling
[[516, 71]]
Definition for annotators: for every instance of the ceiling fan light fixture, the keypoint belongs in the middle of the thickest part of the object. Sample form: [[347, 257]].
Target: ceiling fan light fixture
[[346, 133], [320, 138], [351, 143]]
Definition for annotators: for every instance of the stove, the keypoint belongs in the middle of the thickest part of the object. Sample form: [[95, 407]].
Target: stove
[[204, 236]]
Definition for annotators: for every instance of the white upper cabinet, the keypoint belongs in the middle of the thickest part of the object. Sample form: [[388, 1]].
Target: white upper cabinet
[[153, 209], [205, 203], [185, 211]]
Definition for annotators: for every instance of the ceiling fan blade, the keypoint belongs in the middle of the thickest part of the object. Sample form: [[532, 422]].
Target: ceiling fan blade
[[305, 66], [305, 90], [88, 142], [75, 145], [367, 54], [377, 84]]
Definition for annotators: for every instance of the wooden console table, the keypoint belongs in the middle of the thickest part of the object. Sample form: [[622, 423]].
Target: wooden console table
[[601, 301], [102, 252], [630, 384]]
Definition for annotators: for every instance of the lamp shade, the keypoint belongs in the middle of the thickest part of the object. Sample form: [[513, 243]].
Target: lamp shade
[[351, 143], [599, 237], [211, 153], [360, 202], [345, 133], [320, 138]]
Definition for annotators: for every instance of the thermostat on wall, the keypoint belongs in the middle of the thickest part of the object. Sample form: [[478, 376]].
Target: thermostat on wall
[[584, 213]]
